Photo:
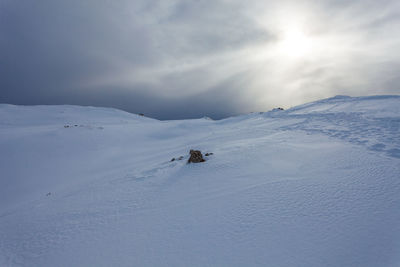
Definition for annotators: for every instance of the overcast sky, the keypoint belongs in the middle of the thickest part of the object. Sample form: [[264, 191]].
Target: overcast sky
[[175, 59]]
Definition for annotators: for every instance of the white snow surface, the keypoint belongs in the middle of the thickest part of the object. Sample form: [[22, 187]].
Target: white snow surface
[[315, 185]]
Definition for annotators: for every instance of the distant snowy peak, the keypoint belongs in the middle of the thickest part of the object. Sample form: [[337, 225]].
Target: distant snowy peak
[[376, 106]]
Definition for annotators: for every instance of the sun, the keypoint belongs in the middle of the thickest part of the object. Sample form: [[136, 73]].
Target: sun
[[295, 43]]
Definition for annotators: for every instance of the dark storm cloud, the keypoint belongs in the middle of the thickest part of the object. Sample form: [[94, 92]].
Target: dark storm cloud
[[181, 59]]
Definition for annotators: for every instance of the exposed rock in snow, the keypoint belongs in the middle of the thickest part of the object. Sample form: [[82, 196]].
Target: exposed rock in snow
[[195, 156]]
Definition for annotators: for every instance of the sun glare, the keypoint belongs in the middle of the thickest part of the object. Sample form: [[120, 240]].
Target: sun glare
[[295, 43]]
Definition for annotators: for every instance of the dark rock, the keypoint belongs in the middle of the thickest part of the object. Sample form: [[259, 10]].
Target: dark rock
[[195, 156], [209, 154], [173, 159], [141, 114], [180, 158]]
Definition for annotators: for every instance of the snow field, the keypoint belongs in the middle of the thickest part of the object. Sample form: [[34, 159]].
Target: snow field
[[315, 185]]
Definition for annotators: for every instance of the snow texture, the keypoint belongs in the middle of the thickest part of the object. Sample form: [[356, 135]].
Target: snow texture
[[315, 185]]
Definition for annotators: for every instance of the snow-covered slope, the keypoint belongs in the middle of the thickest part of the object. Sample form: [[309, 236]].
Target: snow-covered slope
[[315, 185]]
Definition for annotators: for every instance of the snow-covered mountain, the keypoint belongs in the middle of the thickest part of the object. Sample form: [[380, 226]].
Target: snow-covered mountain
[[315, 185]]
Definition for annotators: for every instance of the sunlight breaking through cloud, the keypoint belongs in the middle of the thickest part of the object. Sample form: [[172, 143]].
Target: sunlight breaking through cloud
[[158, 56]]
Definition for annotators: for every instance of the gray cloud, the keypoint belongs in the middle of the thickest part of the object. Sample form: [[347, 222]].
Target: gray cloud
[[184, 59]]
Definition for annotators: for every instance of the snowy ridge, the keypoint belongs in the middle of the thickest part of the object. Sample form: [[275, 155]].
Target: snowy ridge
[[351, 119], [315, 185], [63, 114]]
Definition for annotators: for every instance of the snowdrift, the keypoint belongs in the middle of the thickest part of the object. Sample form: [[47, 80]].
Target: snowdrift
[[315, 185]]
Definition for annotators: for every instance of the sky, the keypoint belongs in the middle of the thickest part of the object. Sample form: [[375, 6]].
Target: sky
[[173, 59]]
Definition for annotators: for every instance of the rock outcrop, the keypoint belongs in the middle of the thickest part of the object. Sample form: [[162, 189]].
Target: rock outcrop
[[195, 156]]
